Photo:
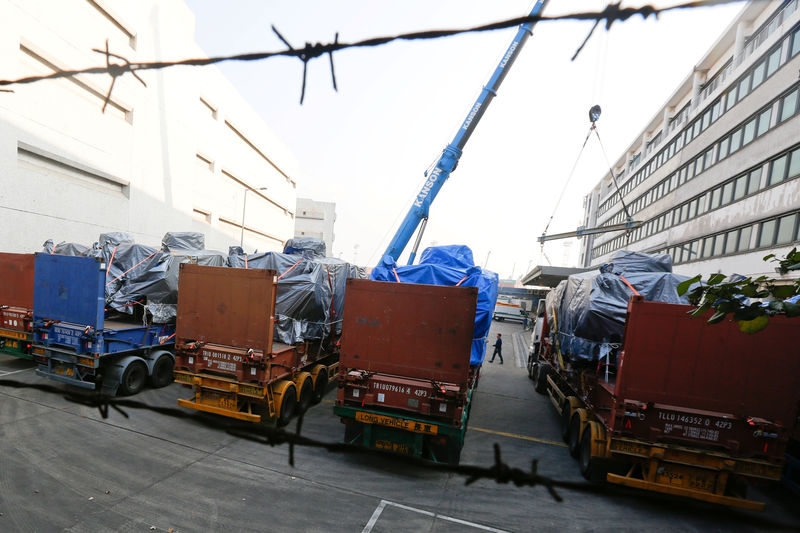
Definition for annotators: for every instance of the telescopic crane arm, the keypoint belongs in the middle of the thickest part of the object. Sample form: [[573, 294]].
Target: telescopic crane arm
[[418, 214]]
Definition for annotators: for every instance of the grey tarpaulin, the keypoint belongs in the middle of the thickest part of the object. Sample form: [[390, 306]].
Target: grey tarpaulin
[[64, 248], [142, 277], [183, 240], [310, 295], [591, 307], [300, 245]]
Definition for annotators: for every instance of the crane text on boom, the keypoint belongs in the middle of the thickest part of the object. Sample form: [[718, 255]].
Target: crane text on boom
[[427, 187]]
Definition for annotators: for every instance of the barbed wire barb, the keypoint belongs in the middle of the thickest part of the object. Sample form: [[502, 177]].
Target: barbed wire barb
[[116, 70]]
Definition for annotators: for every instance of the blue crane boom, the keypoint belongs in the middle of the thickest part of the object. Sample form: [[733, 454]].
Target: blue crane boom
[[447, 162]]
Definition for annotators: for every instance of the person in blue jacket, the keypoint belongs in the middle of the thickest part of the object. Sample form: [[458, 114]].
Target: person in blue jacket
[[498, 350]]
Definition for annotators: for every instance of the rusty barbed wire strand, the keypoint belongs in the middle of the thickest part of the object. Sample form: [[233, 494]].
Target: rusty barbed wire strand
[[499, 471], [613, 12]]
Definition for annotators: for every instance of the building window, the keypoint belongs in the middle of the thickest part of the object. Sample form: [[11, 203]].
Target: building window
[[777, 169], [740, 187], [774, 61], [758, 74], [789, 104], [763, 121], [786, 229], [744, 238], [749, 132], [754, 181], [767, 235], [794, 166]]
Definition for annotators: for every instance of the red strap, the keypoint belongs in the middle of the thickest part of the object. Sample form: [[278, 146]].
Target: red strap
[[462, 280], [630, 286], [395, 274], [131, 268], [168, 338], [111, 260], [290, 268], [245, 261]]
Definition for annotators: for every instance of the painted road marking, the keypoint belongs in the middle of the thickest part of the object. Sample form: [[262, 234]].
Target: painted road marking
[[523, 437], [4, 374], [381, 506]]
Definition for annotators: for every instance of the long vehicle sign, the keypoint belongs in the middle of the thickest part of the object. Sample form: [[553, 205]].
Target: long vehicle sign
[[399, 423]]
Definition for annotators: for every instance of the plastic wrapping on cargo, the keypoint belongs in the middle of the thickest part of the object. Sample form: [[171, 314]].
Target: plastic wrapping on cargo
[[590, 307], [449, 266], [64, 248], [310, 295], [299, 245], [183, 240], [138, 275]]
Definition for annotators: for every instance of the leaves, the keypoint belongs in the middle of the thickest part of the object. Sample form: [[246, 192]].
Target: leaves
[[755, 325], [732, 295], [684, 285]]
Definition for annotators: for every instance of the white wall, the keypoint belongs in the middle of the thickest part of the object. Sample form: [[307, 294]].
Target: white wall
[[69, 172]]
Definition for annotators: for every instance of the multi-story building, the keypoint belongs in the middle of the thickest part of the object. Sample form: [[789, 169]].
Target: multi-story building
[[315, 219], [714, 175], [183, 153]]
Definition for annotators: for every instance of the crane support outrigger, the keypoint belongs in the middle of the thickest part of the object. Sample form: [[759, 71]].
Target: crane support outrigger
[[418, 214]]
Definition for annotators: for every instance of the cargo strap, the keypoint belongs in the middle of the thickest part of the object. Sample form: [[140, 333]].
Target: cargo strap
[[395, 274], [630, 286], [131, 268], [461, 281], [245, 261], [112, 258], [290, 268]]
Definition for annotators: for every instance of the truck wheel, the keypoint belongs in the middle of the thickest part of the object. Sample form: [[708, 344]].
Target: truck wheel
[[532, 366], [288, 405], [162, 372], [306, 393], [540, 381], [320, 385], [591, 467], [574, 441], [566, 429], [133, 379]]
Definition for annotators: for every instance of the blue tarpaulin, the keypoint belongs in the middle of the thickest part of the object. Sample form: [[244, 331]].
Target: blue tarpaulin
[[447, 266]]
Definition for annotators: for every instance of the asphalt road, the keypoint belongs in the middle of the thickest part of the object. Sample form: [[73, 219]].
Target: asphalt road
[[64, 468]]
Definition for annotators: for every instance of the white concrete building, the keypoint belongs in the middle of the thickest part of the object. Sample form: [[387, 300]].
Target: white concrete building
[[713, 176], [177, 155], [315, 219]]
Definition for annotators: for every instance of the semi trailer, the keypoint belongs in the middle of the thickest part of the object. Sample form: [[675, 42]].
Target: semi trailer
[[16, 304], [76, 341]]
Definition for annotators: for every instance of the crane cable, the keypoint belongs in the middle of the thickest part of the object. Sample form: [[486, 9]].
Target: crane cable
[[572, 172], [614, 178]]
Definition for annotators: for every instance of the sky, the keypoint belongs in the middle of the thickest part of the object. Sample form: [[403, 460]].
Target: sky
[[367, 146]]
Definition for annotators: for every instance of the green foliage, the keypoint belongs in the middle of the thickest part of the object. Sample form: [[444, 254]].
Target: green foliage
[[731, 297]]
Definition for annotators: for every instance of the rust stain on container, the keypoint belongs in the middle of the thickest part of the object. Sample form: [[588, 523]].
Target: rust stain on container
[[411, 330], [16, 280], [229, 306]]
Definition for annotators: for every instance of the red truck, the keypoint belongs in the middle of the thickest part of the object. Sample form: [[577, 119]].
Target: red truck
[[224, 348], [405, 380], [687, 408], [16, 304]]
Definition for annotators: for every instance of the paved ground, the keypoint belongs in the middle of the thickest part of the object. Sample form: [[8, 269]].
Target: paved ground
[[64, 468]]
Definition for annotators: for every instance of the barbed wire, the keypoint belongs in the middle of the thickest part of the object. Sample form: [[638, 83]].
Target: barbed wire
[[500, 471], [612, 13]]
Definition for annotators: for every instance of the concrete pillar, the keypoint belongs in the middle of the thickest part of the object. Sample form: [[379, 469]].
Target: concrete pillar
[[697, 84], [742, 29], [668, 111]]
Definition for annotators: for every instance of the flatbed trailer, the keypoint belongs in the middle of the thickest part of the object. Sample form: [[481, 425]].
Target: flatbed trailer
[[405, 380], [74, 341], [16, 304], [226, 353], [687, 408]]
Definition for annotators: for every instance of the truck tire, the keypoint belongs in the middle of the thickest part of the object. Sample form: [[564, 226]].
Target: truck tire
[[592, 468], [574, 442], [306, 395], [162, 372], [532, 364], [540, 381], [288, 404], [320, 384], [133, 379], [566, 412]]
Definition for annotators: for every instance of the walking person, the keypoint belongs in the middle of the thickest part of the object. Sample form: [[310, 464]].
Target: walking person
[[498, 349]]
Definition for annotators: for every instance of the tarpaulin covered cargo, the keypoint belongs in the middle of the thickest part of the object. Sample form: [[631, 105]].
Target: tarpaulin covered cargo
[[587, 311], [139, 275], [299, 245], [311, 291], [450, 265]]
